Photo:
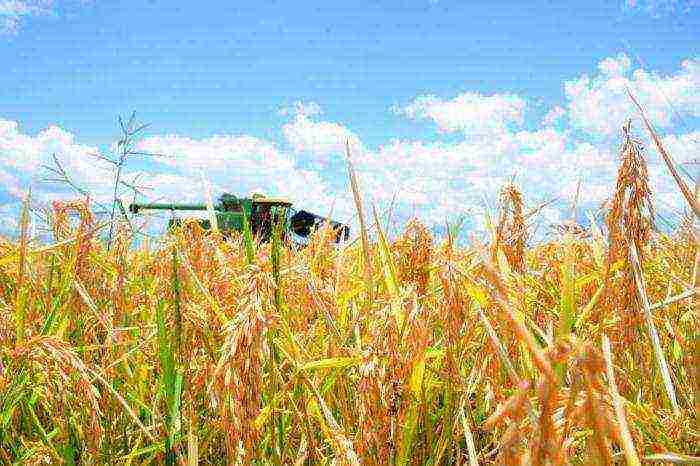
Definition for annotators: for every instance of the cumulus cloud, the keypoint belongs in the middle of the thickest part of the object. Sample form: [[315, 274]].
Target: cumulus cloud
[[615, 66], [439, 181], [553, 116], [23, 156], [236, 164], [435, 180], [14, 14], [599, 105], [684, 148], [471, 113], [244, 154], [10, 185], [318, 140]]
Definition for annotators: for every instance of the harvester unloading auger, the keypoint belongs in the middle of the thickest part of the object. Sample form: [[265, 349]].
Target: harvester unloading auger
[[262, 212]]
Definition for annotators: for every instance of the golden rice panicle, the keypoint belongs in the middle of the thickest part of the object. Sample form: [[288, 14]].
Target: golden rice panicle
[[629, 223], [414, 254], [631, 212], [511, 231]]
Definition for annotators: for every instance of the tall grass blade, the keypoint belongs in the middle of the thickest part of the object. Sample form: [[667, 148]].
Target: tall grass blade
[[567, 305], [672, 458], [411, 422], [389, 274], [248, 239], [627, 444], [340, 442], [177, 311], [22, 293], [468, 435], [171, 383], [651, 328], [361, 218]]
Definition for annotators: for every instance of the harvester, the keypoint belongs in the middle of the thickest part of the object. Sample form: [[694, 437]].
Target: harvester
[[261, 211]]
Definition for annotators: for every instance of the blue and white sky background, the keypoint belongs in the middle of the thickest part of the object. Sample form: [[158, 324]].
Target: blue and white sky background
[[442, 101]]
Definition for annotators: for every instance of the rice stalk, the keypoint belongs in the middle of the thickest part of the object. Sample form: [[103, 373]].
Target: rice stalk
[[627, 443], [361, 218]]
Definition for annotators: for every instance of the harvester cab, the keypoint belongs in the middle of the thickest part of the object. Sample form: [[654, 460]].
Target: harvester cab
[[261, 211]]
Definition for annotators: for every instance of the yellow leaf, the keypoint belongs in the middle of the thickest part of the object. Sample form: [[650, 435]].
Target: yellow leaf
[[478, 294], [389, 275], [416, 381], [503, 263], [262, 417], [331, 363]]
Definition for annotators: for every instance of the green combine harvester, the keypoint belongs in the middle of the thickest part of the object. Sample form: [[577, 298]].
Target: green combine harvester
[[262, 212]]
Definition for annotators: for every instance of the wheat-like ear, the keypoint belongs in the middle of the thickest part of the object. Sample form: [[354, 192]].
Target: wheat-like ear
[[511, 230]]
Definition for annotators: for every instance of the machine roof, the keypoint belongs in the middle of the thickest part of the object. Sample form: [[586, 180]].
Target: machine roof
[[273, 200]]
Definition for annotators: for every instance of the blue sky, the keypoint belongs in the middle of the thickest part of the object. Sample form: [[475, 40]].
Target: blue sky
[[420, 87]]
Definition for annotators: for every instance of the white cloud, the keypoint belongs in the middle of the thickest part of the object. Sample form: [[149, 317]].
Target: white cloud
[[10, 184], [555, 115], [439, 181], [684, 149], [9, 26], [434, 180], [615, 66], [22, 158], [302, 108], [658, 8], [320, 140], [472, 113], [600, 105], [13, 12], [9, 216], [244, 154], [236, 164]]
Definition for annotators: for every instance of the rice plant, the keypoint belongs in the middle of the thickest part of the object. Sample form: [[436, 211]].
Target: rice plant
[[409, 351]]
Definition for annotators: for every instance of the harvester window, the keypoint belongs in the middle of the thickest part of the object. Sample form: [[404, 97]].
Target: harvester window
[[231, 206]]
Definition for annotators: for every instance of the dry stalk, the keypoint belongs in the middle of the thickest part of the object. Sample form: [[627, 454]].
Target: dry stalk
[[363, 227], [627, 444], [651, 328]]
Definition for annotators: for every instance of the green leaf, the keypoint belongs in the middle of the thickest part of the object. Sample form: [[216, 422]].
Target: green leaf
[[175, 403], [411, 423], [567, 306], [389, 275], [164, 353], [248, 239]]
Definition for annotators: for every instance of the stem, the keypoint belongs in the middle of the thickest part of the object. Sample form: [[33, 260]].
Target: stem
[[627, 444], [114, 199], [651, 328]]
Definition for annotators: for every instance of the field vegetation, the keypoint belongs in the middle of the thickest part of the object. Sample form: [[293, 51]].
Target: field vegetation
[[193, 349]]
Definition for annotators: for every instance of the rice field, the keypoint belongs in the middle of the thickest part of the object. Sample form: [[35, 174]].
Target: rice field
[[405, 351]]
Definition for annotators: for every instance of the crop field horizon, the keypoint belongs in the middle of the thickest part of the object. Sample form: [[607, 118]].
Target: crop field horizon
[[199, 349]]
